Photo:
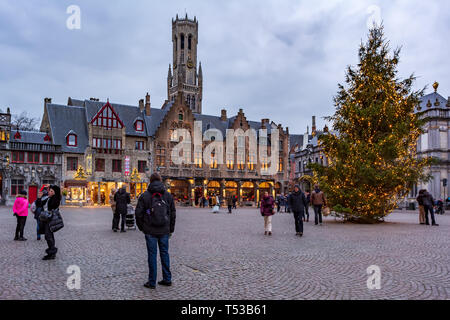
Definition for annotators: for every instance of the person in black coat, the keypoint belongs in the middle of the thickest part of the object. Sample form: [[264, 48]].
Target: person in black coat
[[53, 202], [308, 201], [297, 203], [40, 203], [157, 232], [122, 199]]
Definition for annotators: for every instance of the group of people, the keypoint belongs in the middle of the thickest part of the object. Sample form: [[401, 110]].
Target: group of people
[[48, 201], [298, 202], [426, 204]]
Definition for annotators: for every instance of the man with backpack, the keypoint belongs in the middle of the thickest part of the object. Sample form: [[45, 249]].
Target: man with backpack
[[155, 217]]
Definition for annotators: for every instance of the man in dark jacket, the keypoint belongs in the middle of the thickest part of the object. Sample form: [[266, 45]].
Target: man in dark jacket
[[308, 201], [297, 203], [156, 234], [428, 203], [122, 199]]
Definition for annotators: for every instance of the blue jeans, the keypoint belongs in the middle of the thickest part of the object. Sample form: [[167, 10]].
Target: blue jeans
[[163, 243]]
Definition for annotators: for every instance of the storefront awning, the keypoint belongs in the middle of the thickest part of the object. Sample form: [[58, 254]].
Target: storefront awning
[[75, 183]]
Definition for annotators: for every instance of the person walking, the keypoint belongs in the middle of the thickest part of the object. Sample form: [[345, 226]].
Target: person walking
[[318, 201], [155, 217], [112, 203], [267, 211], [428, 203], [230, 202], [52, 204], [234, 201], [308, 201], [40, 203], [421, 207], [20, 211], [297, 203], [122, 199], [278, 202]]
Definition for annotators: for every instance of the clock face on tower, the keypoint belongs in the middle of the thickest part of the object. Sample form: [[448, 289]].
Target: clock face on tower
[[190, 64]]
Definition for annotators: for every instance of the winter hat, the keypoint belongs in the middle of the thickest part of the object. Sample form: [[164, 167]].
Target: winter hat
[[23, 193]]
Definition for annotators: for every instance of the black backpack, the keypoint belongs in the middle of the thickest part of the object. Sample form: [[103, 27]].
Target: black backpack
[[158, 210]]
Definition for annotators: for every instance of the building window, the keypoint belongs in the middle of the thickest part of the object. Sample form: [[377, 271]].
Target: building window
[[72, 140], [33, 157], [230, 164], [188, 100], [18, 157], [160, 156], [107, 118], [173, 135], [4, 136], [16, 186], [141, 166], [190, 42], [193, 103], [280, 165], [198, 159], [100, 165], [48, 158], [251, 162], [72, 164], [116, 165], [139, 145], [240, 165], [139, 125], [213, 161], [182, 41]]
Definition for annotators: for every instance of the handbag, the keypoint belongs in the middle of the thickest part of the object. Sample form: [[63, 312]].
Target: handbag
[[326, 211], [45, 216], [56, 223]]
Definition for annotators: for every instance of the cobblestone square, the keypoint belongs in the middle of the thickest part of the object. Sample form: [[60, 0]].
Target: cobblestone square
[[222, 256]]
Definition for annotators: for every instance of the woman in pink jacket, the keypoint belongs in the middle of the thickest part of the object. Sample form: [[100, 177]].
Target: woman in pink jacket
[[20, 210]]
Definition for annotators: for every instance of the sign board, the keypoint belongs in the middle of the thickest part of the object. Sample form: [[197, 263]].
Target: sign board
[[127, 166]]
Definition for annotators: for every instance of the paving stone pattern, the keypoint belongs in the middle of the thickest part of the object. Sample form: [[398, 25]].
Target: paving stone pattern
[[222, 256]]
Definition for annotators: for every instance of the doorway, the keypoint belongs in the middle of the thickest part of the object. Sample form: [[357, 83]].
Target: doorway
[[32, 193]]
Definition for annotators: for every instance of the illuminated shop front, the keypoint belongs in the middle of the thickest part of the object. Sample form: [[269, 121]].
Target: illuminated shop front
[[231, 188], [213, 188], [179, 190], [248, 192], [76, 192]]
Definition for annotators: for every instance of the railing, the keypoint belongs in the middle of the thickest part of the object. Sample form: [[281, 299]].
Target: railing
[[34, 147]]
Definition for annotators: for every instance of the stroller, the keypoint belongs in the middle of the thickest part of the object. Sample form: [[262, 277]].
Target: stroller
[[130, 220]]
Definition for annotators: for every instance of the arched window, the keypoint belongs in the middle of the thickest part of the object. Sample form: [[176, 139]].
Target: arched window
[[72, 140], [139, 125], [190, 42], [193, 103], [176, 43], [182, 41], [180, 116], [188, 100]]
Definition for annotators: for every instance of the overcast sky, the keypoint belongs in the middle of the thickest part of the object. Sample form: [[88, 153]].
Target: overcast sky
[[275, 59]]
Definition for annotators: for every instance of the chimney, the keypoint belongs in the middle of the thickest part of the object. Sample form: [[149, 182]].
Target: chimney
[[263, 122], [448, 102], [147, 104], [313, 129], [8, 111], [223, 115], [141, 105]]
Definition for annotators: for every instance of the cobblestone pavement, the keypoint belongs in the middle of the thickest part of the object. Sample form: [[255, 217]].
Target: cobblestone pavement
[[222, 256]]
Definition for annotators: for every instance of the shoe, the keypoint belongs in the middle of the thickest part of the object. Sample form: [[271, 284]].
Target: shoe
[[422, 223], [23, 239], [122, 231], [38, 238], [270, 233], [16, 238], [435, 224], [49, 257], [265, 233], [165, 283], [427, 224], [300, 234], [148, 285]]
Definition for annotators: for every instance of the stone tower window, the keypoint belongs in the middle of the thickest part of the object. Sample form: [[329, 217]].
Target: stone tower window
[[193, 103], [188, 100], [190, 42], [182, 41]]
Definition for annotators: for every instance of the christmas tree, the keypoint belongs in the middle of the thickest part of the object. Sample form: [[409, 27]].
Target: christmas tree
[[372, 149]]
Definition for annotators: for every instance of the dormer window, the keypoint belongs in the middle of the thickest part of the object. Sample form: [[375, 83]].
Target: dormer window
[[47, 138], [17, 136], [139, 125], [72, 140]]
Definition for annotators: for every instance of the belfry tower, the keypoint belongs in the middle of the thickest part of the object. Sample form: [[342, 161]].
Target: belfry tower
[[185, 77]]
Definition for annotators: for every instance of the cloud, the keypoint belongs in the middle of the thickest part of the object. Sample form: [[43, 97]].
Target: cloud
[[276, 59]]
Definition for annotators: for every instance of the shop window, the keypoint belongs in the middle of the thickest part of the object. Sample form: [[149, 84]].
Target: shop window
[[139, 145], [17, 185], [33, 157], [18, 157], [72, 164], [117, 165], [48, 158], [141, 166], [72, 140], [100, 165]]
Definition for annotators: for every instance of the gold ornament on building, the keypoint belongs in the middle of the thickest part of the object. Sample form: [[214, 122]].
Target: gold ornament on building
[[135, 176], [80, 174], [435, 86], [190, 64]]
